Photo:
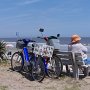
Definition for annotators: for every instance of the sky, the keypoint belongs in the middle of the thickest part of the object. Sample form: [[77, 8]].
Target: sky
[[26, 17]]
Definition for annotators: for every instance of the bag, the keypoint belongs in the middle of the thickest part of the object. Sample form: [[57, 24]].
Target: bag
[[20, 44], [55, 43]]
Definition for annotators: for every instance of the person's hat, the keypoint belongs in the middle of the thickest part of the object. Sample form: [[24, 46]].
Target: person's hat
[[75, 38]]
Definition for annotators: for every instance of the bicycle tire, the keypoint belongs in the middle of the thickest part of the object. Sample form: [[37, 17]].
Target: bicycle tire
[[38, 70], [17, 62], [56, 69]]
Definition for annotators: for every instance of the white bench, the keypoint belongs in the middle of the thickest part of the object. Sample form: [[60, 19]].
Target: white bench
[[74, 59]]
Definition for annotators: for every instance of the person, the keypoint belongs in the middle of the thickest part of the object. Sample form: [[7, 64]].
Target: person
[[77, 47]]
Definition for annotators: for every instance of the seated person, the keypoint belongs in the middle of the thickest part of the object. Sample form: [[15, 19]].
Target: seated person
[[77, 47]]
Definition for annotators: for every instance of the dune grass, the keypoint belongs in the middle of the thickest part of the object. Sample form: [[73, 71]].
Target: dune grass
[[3, 88], [73, 87]]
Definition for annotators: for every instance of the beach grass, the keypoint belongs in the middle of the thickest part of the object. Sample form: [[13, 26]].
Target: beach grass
[[72, 84], [72, 87], [3, 88], [4, 63]]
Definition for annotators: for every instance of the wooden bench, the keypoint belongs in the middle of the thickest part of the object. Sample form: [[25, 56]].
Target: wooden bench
[[74, 59]]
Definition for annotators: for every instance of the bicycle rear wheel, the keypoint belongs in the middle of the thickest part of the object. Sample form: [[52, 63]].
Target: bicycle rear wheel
[[38, 70], [56, 67], [17, 62]]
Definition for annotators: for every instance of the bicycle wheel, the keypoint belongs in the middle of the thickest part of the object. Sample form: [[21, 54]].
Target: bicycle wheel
[[17, 62], [38, 70], [54, 70]]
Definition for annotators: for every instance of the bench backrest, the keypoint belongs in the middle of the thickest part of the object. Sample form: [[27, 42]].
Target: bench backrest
[[78, 59], [66, 57], [74, 59], [71, 58]]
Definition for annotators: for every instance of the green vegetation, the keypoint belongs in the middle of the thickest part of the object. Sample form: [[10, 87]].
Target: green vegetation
[[2, 47], [2, 51], [3, 87], [72, 88]]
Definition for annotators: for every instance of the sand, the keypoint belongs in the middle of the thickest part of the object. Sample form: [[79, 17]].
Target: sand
[[11, 80]]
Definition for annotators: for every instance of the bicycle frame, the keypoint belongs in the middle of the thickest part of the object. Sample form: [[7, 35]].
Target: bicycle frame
[[45, 64], [27, 57]]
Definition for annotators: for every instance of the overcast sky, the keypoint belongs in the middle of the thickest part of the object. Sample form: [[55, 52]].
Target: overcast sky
[[26, 17]]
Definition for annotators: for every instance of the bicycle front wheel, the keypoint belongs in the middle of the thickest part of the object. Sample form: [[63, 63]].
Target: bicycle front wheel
[[38, 70], [17, 62]]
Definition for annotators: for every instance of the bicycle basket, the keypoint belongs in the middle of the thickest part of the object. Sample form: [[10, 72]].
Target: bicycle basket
[[44, 50], [20, 44]]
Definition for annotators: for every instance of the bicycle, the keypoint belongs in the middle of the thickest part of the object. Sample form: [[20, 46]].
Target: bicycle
[[55, 61], [51, 61], [24, 59]]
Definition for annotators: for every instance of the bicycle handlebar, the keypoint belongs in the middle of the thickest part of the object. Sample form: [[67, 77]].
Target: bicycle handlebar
[[48, 38], [45, 38], [26, 41]]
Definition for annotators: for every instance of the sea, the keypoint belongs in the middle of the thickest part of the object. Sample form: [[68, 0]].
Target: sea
[[64, 41]]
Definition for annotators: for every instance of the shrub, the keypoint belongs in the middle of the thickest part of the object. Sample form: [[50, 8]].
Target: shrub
[[2, 50]]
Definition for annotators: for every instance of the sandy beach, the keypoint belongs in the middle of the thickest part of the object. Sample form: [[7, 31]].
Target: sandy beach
[[57, 23], [11, 80]]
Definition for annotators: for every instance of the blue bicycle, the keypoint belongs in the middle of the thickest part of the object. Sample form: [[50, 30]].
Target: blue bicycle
[[26, 60]]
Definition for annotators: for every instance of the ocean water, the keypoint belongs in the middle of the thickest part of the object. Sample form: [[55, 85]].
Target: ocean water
[[63, 40]]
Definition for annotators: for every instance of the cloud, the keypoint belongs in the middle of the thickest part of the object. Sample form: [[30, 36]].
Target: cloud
[[28, 2], [62, 11], [15, 17]]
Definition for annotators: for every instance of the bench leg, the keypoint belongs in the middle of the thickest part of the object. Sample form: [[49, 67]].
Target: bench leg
[[85, 72], [76, 72]]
